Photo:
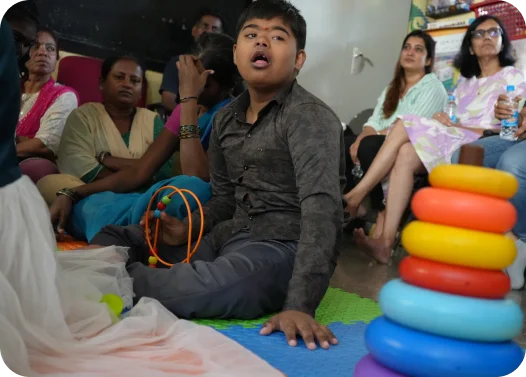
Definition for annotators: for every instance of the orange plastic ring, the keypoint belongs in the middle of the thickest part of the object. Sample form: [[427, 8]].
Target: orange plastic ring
[[457, 280], [464, 210]]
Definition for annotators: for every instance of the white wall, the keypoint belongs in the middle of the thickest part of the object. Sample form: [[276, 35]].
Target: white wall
[[334, 28]]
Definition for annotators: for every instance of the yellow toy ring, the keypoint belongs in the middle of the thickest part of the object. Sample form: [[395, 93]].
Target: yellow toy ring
[[474, 179], [458, 246]]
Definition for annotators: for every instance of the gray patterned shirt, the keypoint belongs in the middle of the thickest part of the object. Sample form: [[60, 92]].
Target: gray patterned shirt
[[282, 178]]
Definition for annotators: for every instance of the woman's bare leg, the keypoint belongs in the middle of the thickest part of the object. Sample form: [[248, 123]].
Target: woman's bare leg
[[400, 189], [401, 184], [381, 166], [379, 227]]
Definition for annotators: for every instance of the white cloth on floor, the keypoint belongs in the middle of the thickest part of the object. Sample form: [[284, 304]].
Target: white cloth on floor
[[52, 324]]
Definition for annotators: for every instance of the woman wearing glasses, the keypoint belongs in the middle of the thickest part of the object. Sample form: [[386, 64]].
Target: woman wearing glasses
[[45, 106], [509, 156], [416, 145]]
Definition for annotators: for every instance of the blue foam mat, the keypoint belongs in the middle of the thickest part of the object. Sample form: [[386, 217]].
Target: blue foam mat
[[298, 361], [338, 361]]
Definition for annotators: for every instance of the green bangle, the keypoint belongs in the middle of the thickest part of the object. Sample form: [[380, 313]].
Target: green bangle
[[189, 129]]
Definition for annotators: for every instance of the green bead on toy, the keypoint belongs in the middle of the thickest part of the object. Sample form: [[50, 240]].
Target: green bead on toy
[[152, 261], [166, 200], [114, 302]]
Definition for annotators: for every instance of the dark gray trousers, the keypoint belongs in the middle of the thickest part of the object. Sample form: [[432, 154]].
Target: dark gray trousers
[[244, 279]]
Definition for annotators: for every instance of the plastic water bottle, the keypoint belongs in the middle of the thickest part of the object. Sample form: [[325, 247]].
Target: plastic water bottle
[[451, 109], [510, 126], [357, 172]]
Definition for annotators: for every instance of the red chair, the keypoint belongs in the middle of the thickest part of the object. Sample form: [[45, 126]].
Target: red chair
[[83, 74]]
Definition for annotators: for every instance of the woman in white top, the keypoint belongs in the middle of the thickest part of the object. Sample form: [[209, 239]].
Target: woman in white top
[[45, 106]]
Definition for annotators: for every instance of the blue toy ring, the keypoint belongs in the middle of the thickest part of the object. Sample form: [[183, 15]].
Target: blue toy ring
[[415, 353], [452, 316]]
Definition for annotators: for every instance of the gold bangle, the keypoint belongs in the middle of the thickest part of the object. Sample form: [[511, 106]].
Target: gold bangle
[[189, 136], [186, 99], [70, 193]]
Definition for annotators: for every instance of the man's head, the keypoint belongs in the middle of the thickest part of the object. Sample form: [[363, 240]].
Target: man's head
[[208, 21], [270, 48], [23, 20]]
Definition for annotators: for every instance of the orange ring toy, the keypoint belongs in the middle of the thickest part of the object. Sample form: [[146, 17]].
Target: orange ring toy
[[456, 280], [464, 210], [154, 258]]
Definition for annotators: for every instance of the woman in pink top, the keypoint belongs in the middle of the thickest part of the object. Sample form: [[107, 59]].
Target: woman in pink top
[[45, 106]]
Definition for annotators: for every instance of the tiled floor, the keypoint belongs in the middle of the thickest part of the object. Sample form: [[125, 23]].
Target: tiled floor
[[355, 273]]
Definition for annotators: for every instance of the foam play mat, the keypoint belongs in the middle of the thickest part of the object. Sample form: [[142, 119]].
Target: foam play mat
[[336, 307], [339, 361], [347, 315]]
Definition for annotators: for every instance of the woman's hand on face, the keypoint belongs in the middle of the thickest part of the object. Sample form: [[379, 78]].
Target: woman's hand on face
[[502, 109], [192, 76], [444, 119]]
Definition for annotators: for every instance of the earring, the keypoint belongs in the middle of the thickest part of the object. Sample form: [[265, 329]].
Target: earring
[[471, 51]]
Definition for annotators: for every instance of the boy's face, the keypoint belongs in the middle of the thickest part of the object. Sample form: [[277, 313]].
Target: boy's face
[[266, 53]]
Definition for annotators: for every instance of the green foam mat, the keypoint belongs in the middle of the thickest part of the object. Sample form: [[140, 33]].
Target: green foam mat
[[337, 306]]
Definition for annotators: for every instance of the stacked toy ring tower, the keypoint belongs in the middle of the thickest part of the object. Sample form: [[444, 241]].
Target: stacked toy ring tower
[[447, 315]]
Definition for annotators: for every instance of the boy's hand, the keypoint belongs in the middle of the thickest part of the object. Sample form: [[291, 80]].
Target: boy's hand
[[293, 323], [172, 231]]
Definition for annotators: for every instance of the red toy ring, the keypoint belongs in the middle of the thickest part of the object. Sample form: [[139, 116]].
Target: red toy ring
[[455, 280]]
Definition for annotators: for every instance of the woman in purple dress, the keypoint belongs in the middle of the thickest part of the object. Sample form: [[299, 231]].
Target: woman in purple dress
[[416, 145]]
